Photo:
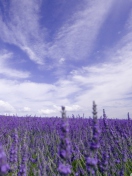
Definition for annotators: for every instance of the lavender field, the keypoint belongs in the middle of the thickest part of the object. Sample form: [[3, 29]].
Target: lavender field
[[73, 146]]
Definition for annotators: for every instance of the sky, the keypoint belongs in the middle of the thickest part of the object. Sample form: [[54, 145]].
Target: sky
[[66, 53]]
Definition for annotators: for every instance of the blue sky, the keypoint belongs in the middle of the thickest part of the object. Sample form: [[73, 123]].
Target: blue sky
[[69, 53]]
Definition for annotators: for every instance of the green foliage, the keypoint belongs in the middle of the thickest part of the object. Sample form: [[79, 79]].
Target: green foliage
[[76, 164], [128, 168]]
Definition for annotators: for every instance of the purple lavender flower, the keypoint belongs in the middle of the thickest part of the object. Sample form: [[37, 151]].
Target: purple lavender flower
[[122, 172], [4, 167], [13, 151], [64, 148], [23, 166], [33, 160], [103, 164], [96, 131], [64, 169], [91, 161]]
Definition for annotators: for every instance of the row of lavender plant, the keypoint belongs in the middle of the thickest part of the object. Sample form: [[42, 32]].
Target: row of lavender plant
[[65, 146]]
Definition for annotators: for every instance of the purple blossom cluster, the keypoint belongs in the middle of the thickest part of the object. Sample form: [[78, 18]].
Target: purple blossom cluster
[[4, 166]]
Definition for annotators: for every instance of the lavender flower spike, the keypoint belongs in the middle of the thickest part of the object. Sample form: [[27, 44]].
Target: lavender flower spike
[[64, 149], [104, 115], [91, 160]]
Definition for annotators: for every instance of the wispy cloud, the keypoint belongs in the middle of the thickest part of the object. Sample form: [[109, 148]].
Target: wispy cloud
[[22, 28], [75, 40], [5, 69]]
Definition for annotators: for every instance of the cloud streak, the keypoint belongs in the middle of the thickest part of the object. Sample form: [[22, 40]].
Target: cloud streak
[[5, 69], [75, 40], [23, 30]]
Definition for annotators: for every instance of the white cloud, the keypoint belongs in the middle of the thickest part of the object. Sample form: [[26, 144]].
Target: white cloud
[[61, 60], [32, 55], [6, 107], [4, 55], [57, 110], [108, 87], [68, 108], [26, 109], [73, 108], [66, 88], [46, 111], [40, 97]]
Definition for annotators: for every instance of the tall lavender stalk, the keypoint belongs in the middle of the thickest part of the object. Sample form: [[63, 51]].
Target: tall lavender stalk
[[104, 115], [103, 162], [128, 116], [64, 167], [13, 153], [23, 165], [91, 160]]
